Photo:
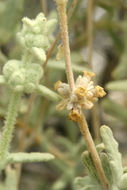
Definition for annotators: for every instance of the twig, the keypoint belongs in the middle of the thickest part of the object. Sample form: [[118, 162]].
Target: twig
[[94, 112], [21, 145], [44, 6], [90, 31], [95, 122], [9, 124], [26, 120], [70, 12], [61, 5], [51, 50], [92, 149]]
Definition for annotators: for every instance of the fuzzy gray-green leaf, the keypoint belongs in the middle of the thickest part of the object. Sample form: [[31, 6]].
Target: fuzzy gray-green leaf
[[85, 183], [121, 70], [88, 163], [47, 93], [59, 65], [9, 19], [106, 166], [114, 109], [123, 182], [29, 157], [119, 85], [11, 180], [114, 156]]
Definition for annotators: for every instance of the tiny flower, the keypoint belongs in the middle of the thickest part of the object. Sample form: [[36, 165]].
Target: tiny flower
[[81, 92], [57, 84], [62, 88], [60, 52], [90, 74], [100, 91], [74, 115], [83, 96]]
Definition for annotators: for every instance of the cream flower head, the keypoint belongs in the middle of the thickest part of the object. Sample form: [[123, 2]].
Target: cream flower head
[[83, 96]]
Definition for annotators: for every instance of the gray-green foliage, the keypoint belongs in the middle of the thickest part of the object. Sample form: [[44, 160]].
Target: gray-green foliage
[[111, 106], [22, 157], [24, 76], [111, 162], [59, 65], [10, 15], [118, 85], [115, 160], [120, 71], [10, 181], [35, 38], [36, 35]]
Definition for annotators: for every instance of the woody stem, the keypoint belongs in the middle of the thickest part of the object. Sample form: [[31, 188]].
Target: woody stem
[[61, 5], [92, 149]]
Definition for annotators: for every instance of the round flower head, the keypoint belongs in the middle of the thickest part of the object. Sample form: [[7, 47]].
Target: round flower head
[[83, 96]]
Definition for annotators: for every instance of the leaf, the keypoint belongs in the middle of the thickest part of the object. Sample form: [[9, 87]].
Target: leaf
[[111, 147], [3, 58], [120, 71], [9, 19], [11, 180], [2, 80], [29, 157], [88, 163], [85, 183], [118, 43], [123, 182], [39, 53], [114, 109], [100, 147], [47, 93], [106, 166], [120, 85], [59, 65], [2, 187]]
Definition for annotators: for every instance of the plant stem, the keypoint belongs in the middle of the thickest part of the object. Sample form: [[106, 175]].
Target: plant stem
[[94, 111], [92, 149], [26, 122], [61, 5], [90, 31], [21, 145], [95, 122], [9, 124], [69, 14], [44, 6], [51, 50]]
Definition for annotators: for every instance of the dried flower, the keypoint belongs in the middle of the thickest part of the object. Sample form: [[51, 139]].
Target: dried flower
[[83, 96], [60, 52]]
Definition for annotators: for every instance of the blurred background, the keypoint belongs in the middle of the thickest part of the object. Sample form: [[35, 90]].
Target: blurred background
[[98, 42]]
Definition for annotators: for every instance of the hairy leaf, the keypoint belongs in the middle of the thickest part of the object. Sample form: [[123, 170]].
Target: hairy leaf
[[29, 157]]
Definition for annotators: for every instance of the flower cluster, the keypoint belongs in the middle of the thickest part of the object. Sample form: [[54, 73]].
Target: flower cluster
[[22, 77], [83, 96], [36, 35]]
